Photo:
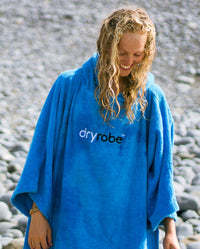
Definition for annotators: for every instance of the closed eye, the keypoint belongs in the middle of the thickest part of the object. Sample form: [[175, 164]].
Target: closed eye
[[121, 54], [138, 55]]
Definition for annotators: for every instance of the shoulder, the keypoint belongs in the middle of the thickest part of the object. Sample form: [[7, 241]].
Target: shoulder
[[84, 75], [157, 104], [67, 81], [67, 77], [154, 91]]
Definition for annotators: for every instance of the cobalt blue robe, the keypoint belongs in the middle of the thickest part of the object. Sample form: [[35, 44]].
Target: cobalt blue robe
[[100, 185]]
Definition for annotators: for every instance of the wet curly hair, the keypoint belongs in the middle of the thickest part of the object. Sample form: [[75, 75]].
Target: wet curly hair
[[112, 30]]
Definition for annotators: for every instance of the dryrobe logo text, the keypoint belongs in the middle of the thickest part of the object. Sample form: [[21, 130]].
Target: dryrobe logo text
[[92, 136]]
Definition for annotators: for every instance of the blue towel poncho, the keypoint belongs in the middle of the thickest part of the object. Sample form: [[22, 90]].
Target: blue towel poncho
[[100, 185]]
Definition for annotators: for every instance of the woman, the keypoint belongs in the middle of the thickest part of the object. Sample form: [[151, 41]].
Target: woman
[[99, 170]]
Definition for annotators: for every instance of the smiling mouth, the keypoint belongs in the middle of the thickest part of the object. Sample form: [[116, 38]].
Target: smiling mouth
[[125, 67]]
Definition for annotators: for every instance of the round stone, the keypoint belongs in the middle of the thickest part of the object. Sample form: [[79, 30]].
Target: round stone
[[193, 25], [15, 243], [196, 180], [6, 198], [184, 141], [22, 223], [187, 202], [189, 214], [184, 230], [193, 189], [179, 188], [5, 155], [4, 241], [194, 222], [15, 233], [183, 246], [186, 172], [4, 226], [194, 245], [186, 79], [197, 229], [5, 214], [7, 234]]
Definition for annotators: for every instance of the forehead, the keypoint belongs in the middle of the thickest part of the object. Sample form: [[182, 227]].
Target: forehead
[[132, 41]]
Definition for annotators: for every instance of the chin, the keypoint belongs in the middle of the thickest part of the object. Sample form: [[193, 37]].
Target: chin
[[125, 74]]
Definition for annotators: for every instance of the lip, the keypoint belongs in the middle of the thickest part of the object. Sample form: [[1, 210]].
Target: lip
[[124, 67]]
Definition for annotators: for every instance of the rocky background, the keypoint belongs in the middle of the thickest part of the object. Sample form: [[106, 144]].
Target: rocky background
[[41, 39]]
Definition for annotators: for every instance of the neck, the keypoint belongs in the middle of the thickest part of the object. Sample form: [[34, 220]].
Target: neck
[[121, 84]]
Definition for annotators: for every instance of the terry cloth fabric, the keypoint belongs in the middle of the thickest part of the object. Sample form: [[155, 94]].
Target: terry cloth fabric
[[100, 186]]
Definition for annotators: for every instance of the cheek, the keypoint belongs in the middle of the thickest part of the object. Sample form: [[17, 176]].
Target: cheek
[[139, 59]]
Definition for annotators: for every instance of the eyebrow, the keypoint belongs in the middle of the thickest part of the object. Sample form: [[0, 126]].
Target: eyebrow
[[138, 51]]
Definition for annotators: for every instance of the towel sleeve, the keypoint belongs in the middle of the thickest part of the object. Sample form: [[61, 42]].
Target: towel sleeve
[[35, 183], [161, 200]]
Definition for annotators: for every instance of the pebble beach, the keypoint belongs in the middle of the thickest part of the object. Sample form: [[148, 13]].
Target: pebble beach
[[41, 39]]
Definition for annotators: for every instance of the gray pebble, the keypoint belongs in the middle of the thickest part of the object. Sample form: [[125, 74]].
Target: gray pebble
[[187, 173], [179, 188], [179, 221], [10, 185], [183, 88], [18, 164], [22, 223], [4, 226], [183, 246], [189, 214], [193, 245], [194, 222], [192, 189], [14, 210], [19, 147], [3, 165], [193, 25], [2, 188], [191, 70], [189, 163], [185, 79], [14, 243], [180, 179], [14, 178], [184, 230], [187, 202], [6, 198], [197, 229], [196, 151], [181, 129], [5, 155], [7, 234], [15, 233], [5, 130], [176, 160], [5, 214], [4, 241], [184, 141], [194, 133], [196, 180], [2, 177], [13, 167]]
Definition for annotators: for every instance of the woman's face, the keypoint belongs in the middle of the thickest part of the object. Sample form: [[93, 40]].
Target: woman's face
[[131, 51]]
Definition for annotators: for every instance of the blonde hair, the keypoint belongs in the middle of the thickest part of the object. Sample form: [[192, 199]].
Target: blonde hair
[[112, 30]]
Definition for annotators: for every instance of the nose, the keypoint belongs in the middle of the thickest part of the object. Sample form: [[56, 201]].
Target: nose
[[129, 60]]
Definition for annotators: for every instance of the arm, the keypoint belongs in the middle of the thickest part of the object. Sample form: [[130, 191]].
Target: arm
[[170, 240], [40, 231]]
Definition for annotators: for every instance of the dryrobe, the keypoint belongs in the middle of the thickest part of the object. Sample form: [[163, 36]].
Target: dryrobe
[[101, 186]]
